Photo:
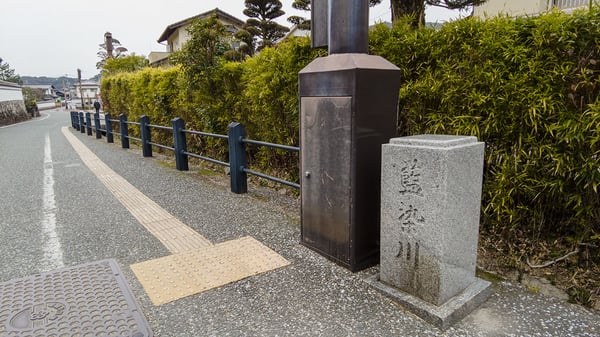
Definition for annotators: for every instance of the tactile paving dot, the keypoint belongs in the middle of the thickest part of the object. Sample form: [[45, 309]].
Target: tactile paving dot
[[88, 300], [176, 276]]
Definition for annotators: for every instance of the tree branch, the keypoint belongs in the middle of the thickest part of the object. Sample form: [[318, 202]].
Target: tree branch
[[547, 264]]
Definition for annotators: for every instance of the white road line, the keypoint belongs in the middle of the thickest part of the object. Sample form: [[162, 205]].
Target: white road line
[[53, 255]]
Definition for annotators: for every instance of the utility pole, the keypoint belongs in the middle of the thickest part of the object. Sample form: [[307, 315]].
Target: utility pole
[[108, 40], [80, 88], [64, 93]]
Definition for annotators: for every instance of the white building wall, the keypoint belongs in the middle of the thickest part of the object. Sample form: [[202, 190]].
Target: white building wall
[[9, 92], [177, 39], [511, 7], [12, 107]]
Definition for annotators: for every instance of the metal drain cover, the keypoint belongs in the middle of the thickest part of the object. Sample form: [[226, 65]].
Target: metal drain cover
[[87, 300]]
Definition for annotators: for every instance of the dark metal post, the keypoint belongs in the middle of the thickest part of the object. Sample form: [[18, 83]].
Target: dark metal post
[[88, 123], [181, 159], [81, 122], [348, 109], [145, 135], [348, 26], [97, 125], [72, 120], [109, 134], [237, 158], [319, 31], [124, 131]]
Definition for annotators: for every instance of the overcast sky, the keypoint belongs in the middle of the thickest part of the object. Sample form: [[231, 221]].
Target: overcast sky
[[55, 37]]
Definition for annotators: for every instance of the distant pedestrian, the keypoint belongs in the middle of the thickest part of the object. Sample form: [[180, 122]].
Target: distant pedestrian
[[97, 106]]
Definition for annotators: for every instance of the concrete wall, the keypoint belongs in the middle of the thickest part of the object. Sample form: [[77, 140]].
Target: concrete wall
[[511, 7], [12, 107]]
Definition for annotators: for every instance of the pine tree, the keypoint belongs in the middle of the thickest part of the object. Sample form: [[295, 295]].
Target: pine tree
[[300, 22], [8, 74], [110, 48], [261, 24]]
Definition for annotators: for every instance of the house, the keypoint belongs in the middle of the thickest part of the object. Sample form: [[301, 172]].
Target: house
[[90, 91], [175, 35], [523, 8], [295, 31], [47, 91]]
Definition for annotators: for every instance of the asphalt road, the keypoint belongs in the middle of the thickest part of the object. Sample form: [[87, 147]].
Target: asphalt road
[[55, 212]]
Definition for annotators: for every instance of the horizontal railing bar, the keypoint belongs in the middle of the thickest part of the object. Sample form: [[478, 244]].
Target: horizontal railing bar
[[266, 176], [161, 127], [214, 161], [162, 146], [147, 145], [205, 134], [130, 137], [277, 146]]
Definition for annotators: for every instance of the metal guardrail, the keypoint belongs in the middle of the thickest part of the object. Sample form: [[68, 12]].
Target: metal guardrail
[[235, 136]]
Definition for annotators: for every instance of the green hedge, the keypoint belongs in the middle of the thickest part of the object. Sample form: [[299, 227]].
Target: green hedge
[[260, 93], [527, 87]]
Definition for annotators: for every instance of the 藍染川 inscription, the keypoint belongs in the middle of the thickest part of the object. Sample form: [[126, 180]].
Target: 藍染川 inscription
[[410, 218]]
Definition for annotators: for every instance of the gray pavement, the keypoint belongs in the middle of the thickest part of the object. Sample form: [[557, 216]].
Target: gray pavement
[[310, 297]]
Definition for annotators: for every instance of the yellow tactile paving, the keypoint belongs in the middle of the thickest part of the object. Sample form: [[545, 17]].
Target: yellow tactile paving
[[196, 265], [176, 276], [146, 211]]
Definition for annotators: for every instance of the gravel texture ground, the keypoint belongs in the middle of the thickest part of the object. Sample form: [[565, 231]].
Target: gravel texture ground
[[310, 297]]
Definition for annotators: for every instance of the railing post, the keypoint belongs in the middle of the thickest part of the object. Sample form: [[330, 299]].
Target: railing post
[[97, 125], [181, 159], [88, 123], [109, 134], [81, 122], [72, 120], [124, 131], [75, 117], [237, 158], [145, 135]]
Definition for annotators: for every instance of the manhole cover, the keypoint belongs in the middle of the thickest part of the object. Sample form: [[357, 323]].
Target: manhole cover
[[87, 300]]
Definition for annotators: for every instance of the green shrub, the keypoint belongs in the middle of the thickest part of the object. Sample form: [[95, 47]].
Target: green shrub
[[528, 88], [271, 101]]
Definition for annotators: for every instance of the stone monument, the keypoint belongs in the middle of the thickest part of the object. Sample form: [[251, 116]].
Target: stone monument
[[430, 206]]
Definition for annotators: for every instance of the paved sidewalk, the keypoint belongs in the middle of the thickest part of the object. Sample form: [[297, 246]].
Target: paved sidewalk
[[309, 297]]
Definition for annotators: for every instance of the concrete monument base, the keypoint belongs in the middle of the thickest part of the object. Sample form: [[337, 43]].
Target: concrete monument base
[[445, 315]]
